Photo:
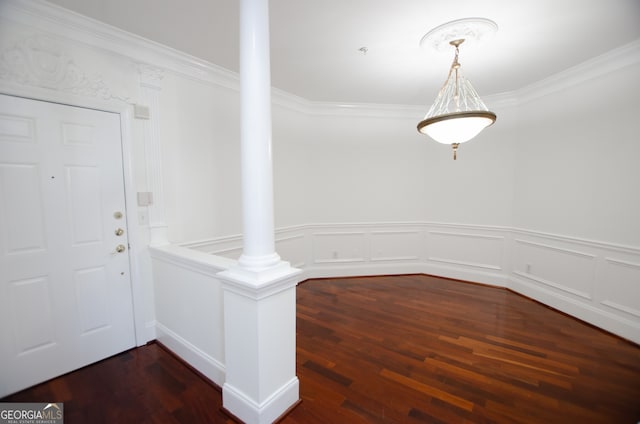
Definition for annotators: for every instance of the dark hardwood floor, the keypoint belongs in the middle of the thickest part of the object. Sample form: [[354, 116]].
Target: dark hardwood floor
[[393, 349]]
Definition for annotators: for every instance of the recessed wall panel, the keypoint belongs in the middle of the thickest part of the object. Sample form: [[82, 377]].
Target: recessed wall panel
[[31, 313], [395, 245], [85, 208], [477, 250], [622, 290], [92, 298], [335, 247], [21, 208], [566, 269]]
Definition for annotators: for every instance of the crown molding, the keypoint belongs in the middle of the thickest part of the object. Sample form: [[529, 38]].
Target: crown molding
[[59, 21], [302, 105], [614, 60]]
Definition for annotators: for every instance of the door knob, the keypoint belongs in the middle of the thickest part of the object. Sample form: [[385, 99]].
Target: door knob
[[119, 231], [120, 248]]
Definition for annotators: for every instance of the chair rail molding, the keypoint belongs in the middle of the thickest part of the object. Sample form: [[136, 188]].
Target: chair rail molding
[[592, 280]]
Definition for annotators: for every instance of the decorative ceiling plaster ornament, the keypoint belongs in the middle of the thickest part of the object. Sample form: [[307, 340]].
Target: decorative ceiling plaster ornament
[[472, 30], [150, 76], [39, 62]]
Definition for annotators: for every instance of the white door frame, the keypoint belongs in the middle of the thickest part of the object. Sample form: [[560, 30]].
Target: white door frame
[[125, 110]]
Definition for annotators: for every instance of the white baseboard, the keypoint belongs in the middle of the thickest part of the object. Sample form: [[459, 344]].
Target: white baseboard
[[149, 332], [204, 363], [613, 323], [363, 270], [268, 411]]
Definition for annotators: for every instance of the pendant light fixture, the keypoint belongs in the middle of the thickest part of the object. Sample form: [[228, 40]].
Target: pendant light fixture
[[458, 114]]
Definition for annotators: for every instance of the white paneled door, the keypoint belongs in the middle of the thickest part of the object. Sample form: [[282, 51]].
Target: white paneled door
[[65, 288]]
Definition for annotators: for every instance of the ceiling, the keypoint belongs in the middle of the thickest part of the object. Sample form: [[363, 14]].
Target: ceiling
[[315, 44]]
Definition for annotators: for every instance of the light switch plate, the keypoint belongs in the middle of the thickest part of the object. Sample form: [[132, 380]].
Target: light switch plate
[[145, 198], [141, 112]]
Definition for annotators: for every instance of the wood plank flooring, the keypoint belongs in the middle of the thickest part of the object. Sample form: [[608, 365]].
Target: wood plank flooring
[[392, 349]]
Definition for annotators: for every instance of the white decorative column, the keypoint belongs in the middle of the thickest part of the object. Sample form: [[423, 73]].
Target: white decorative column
[[260, 292], [150, 87]]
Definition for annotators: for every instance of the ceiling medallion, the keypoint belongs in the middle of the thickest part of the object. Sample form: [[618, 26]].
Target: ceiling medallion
[[472, 30]]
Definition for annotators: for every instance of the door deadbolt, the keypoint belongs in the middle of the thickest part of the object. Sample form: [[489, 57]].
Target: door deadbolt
[[117, 215], [119, 231]]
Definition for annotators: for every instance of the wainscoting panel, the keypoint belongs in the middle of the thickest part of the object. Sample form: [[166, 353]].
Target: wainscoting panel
[[596, 282], [292, 248], [339, 247], [620, 287], [189, 307], [396, 245], [466, 249], [569, 270], [593, 281]]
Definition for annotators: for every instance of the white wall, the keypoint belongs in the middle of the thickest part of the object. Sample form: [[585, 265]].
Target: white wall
[[200, 133], [374, 166], [291, 158], [577, 170]]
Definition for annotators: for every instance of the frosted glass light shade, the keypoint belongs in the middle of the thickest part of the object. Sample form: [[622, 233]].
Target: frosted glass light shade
[[458, 114], [457, 127]]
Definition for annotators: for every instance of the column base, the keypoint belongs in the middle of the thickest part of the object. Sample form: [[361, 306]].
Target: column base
[[262, 283], [260, 342], [241, 407], [258, 263]]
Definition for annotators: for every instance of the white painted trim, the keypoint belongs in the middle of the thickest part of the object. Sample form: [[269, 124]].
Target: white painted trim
[[577, 240], [581, 303], [259, 285], [63, 98], [268, 411], [614, 323], [150, 92], [192, 260], [353, 228], [621, 308], [615, 305], [294, 237], [557, 249], [133, 231], [465, 263], [468, 235], [197, 358], [150, 330], [555, 285], [623, 263], [619, 58]]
